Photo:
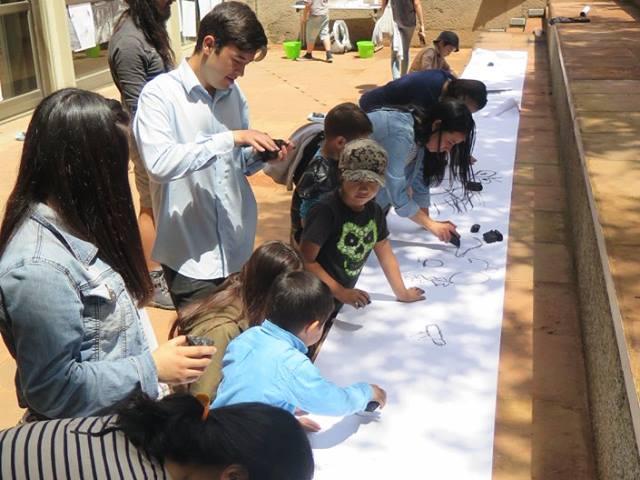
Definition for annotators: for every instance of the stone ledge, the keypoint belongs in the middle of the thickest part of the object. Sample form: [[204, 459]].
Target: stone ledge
[[577, 88]]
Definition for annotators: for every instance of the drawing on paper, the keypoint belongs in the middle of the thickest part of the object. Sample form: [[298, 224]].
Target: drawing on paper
[[432, 332], [452, 195], [452, 269]]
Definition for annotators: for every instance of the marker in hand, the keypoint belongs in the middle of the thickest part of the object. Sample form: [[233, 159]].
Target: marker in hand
[[455, 239]]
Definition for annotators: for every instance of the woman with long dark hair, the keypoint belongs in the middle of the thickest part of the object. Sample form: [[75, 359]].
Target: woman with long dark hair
[[139, 51], [72, 273], [420, 146], [176, 438], [239, 303]]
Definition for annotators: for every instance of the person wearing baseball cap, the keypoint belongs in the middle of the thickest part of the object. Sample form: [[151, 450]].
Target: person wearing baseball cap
[[364, 161], [344, 227], [433, 58]]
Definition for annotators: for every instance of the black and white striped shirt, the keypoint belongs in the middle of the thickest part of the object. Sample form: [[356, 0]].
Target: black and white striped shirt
[[70, 449]]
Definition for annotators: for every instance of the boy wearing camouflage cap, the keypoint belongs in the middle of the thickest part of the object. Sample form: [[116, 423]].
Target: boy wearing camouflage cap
[[344, 227]]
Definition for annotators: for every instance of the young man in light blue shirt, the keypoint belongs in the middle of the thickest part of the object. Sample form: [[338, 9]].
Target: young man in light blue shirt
[[192, 131], [269, 364]]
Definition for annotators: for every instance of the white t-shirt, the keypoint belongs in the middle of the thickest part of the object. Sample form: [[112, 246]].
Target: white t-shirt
[[319, 7]]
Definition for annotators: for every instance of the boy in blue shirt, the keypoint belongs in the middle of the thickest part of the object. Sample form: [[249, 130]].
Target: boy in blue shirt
[[268, 363]]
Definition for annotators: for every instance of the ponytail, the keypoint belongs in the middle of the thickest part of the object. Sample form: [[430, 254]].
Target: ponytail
[[267, 441]]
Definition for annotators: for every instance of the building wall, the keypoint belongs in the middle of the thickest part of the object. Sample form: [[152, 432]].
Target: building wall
[[463, 16]]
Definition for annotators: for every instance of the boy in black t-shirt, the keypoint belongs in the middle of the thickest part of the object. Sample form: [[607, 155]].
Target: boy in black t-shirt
[[343, 123], [345, 225]]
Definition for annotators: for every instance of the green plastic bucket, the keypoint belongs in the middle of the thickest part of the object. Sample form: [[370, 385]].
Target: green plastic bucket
[[93, 52], [292, 49], [365, 48]]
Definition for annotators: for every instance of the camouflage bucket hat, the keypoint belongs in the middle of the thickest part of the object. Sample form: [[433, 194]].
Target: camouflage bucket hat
[[363, 160]]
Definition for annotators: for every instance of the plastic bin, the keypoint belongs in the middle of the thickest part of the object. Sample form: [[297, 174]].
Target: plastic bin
[[292, 49], [365, 48], [93, 52]]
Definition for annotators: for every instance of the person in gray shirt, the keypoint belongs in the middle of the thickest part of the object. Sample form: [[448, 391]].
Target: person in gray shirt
[[406, 13], [139, 51]]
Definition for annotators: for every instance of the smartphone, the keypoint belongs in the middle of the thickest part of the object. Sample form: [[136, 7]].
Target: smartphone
[[195, 341], [268, 155]]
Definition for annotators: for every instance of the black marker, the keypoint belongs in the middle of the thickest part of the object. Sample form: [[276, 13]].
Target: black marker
[[372, 406], [455, 239]]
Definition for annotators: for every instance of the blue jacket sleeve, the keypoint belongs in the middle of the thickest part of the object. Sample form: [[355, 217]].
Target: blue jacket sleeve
[[312, 393], [45, 316], [421, 192], [397, 138]]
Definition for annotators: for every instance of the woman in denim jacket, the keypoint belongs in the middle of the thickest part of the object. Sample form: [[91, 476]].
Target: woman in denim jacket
[[420, 145], [72, 272]]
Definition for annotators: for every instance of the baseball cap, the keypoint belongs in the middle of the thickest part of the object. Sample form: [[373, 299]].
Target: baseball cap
[[450, 38], [363, 160]]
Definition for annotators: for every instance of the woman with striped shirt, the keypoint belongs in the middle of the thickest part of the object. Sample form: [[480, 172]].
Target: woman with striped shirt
[[176, 438]]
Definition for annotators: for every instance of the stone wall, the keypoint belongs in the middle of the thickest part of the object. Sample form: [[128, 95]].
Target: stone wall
[[611, 398], [463, 16]]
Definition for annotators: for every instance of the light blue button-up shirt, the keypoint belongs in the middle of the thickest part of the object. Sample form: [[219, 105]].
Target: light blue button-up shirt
[[404, 186], [204, 208], [268, 364]]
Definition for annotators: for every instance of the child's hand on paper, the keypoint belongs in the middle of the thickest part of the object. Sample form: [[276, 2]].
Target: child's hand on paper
[[309, 425], [379, 395], [413, 294], [442, 230], [354, 297]]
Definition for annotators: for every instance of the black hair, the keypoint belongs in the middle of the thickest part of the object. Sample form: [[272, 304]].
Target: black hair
[[236, 24], [466, 89], [152, 24], [251, 285], [297, 299], [454, 116], [347, 120], [75, 158], [267, 441]]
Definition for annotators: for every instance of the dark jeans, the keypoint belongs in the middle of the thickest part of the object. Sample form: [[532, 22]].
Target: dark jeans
[[184, 290]]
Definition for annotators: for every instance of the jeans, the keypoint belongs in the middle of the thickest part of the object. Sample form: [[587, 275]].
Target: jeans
[[400, 67]]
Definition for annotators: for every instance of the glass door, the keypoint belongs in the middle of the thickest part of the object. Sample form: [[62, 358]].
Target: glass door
[[19, 71]]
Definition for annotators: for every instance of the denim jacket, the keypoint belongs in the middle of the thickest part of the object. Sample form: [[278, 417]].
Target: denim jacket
[[404, 186], [68, 320]]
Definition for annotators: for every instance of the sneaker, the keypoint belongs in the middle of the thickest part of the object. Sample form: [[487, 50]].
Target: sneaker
[[329, 57], [161, 297], [307, 56]]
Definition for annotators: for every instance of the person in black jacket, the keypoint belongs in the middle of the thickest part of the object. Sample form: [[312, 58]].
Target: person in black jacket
[[139, 50], [343, 123]]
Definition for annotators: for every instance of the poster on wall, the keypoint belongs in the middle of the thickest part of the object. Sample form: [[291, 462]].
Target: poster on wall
[[206, 6], [188, 18], [82, 26], [105, 14]]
